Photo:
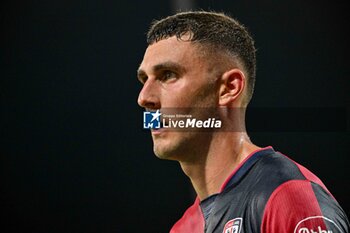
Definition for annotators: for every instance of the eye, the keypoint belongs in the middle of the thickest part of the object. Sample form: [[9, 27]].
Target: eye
[[142, 78], [168, 75]]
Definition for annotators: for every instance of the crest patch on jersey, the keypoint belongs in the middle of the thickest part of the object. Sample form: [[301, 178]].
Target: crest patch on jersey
[[233, 226]]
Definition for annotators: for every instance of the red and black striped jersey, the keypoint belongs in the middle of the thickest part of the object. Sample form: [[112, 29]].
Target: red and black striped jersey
[[268, 193]]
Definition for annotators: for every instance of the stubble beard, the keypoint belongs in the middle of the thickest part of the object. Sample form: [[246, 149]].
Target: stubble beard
[[182, 146], [187, 144]]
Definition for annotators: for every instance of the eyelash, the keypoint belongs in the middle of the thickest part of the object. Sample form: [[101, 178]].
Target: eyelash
[[143, 80], [168, 75], [164, 76]]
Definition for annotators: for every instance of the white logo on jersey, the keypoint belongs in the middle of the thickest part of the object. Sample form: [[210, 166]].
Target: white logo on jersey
[[319, 230], [303, 225], [233, 226]]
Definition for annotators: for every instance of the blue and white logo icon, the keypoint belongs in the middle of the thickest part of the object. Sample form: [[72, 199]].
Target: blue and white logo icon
[[151, 120]]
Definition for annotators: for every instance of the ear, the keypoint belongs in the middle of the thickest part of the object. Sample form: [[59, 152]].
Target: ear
[[231, 86]]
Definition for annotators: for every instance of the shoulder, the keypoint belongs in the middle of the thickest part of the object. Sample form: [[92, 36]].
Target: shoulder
[[277, 169], [300, 202], [303, 205]]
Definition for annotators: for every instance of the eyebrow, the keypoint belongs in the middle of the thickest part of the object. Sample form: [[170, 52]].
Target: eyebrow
[[169, 65]]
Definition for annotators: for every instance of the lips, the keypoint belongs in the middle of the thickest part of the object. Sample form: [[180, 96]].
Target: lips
[[157, 131]]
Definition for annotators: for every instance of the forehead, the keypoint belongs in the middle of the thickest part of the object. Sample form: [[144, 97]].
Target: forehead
[[171, 50]]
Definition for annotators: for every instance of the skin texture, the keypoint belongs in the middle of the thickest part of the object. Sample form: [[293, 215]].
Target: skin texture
[[175, 78], [175, 73]]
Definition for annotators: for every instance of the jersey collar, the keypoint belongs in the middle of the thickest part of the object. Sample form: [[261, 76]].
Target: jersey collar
[[244, 166]]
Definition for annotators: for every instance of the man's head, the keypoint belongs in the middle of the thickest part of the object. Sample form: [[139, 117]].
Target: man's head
[[215, 33], [195, 60]]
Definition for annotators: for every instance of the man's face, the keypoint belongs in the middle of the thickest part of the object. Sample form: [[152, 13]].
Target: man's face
[[175, 75]]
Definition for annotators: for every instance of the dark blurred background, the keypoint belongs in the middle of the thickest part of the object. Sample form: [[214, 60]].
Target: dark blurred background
[[74, 156]]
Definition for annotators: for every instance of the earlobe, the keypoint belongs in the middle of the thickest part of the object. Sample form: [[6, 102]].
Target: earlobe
[[231, 87]]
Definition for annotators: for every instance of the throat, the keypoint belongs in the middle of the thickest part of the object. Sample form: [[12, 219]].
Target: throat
[[209, 173], [207, 178]]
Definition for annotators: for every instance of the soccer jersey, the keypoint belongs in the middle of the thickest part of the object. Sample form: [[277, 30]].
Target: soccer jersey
[[267, 193]]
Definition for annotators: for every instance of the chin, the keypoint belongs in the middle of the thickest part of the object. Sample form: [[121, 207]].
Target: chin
[[177, 147], [168, 152], [163, 153]]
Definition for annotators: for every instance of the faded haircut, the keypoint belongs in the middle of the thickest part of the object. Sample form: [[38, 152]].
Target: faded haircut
[[218, 31]]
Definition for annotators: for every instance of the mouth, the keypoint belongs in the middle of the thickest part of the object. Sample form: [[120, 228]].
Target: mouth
[[157, 131]]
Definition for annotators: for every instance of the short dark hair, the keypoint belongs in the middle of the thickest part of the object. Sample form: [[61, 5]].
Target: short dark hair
[[214, 29]]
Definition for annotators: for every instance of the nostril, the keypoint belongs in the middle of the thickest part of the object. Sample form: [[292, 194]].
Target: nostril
[[148, 103], [150, 107]]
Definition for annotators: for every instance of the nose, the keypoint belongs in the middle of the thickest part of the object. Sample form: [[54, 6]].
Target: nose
[[149, 95]]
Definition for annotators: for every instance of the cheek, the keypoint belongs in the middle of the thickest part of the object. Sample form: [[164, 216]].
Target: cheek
[[189, 94], [206, 95], [176, 96]]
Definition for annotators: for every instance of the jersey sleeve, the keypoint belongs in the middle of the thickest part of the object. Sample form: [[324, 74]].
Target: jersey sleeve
[[302, 206]]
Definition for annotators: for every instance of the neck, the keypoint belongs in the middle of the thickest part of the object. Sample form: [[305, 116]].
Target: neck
[[226, 151]]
